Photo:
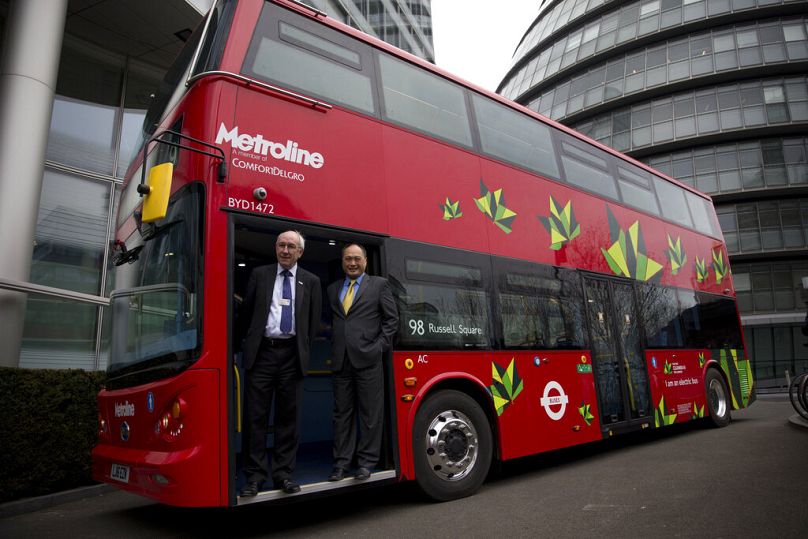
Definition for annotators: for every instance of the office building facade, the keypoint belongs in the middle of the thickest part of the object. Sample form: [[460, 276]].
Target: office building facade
[[108, 59], [715, 94]]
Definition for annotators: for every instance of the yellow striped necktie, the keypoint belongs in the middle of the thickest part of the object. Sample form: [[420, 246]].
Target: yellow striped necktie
[[347, 301]]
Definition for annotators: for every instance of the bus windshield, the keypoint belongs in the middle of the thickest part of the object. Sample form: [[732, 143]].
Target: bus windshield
[[156, 322]]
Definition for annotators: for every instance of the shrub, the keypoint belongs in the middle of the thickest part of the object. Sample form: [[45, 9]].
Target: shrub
[[48, 426]]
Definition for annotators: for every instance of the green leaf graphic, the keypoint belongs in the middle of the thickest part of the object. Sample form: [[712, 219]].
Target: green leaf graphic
[[561, 224], [701, 270], [719, 267], [451, 210], [676, 255], [506, 385], [492, 204], [626, 256]]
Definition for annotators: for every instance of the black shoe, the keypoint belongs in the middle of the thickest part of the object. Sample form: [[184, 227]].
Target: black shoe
[[337, 474], [250, 489], [288, 486], [362, 473]]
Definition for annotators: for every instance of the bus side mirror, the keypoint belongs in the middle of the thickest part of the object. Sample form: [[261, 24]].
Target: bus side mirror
[[155, 192]]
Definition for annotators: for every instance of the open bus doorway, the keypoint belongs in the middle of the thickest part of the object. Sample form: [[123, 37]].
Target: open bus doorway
[[253, 246]]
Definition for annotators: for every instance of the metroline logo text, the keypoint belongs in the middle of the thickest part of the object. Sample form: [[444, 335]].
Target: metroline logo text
[[257, 144]]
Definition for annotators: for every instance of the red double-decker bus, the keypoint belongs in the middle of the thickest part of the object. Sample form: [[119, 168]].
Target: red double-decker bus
[[551, 291]]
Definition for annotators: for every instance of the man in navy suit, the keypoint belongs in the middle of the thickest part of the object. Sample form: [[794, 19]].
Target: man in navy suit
[[364, 322], [283, 304]]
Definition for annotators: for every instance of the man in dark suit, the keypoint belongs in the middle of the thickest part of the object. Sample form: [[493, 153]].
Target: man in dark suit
[[283, 305], [364, 322]]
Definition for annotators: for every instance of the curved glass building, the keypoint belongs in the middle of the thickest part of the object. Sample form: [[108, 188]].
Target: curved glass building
[[715, 94]]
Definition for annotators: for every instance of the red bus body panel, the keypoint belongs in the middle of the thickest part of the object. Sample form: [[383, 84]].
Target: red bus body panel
[[190, 465]]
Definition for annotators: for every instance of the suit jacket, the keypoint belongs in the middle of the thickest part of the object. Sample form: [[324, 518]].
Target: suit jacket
[[367, 331], [307, 311]]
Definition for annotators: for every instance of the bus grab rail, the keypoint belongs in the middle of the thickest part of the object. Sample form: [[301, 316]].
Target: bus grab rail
[[252, 82], [216, 153], [20, 286]]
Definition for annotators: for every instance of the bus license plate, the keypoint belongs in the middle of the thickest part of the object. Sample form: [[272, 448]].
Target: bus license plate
[[119, 473]]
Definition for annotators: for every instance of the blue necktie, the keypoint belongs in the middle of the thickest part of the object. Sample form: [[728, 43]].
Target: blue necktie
[[286, 310]]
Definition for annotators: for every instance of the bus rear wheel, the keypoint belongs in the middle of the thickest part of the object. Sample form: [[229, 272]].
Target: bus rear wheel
[[717, 399], [452, 444]]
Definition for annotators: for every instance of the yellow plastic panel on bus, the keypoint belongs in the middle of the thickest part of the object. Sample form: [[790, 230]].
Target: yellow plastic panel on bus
[[155, 204]]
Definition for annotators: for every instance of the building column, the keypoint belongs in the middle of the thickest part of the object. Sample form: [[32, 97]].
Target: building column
[[28, 71]]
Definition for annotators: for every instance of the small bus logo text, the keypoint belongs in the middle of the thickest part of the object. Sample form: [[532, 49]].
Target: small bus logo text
[[126, 409], [290, 151]]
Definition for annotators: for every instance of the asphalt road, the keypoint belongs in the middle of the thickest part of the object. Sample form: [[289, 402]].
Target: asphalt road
[[747, 480]]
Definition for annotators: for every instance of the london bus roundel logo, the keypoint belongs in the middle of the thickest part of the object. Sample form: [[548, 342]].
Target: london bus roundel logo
[[554, 400]]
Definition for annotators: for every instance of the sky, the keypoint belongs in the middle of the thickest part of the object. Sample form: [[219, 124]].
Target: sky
[[475, 39]]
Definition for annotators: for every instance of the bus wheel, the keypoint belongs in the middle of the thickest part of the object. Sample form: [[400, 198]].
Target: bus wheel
[[452, 446], [717, 399]]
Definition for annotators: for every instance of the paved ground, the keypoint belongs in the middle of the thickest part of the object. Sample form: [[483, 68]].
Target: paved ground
[[747, 480]]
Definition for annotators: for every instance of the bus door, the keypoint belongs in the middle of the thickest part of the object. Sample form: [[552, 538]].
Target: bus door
[[617, 354], [253, 246]]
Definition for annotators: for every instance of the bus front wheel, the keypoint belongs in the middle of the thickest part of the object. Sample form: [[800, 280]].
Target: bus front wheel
[[452, 444], [717, 398]]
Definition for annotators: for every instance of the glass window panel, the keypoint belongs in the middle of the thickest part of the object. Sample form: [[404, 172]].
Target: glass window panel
[[441, 309], [728, 100], [754, 116], [731, 119], [725, 60], [774, 53], [310, 72], [797, 51], [714, 7], [678, 51], [515, 137], [641, 136], [747, 38], [678, 70], [85, 109], [724, 42], [750, 56], [700, 66], [707, 183], [649, 8], [636, 190], [587, 167], [702, 212], [794, 32], [685, 127], [770, 33], [615, 70], [672, 201], [682, 168], [707, 123], [71, 233], [424, 101], [58, 334], [671, 18]]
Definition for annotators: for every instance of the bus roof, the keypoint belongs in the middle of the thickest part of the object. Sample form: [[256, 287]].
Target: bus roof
[[318, 15]]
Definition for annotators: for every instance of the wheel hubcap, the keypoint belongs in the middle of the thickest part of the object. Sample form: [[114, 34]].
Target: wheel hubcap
[[451, 445], [718, 398]]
